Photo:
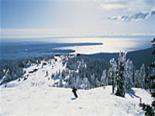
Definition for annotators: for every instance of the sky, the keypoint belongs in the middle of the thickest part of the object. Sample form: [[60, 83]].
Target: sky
[[50, 18]]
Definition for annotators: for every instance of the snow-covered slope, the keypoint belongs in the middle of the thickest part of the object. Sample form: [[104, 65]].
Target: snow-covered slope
[[39, 74], [51, 101], [44, 72], [34, 95]]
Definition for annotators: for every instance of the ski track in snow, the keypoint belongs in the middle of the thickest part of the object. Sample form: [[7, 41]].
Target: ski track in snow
[[36, 97]]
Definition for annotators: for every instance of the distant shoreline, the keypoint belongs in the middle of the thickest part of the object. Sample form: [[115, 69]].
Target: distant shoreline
[[22, 50], [136, 55]]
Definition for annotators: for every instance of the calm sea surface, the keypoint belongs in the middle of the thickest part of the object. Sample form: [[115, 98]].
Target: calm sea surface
[[26, 48]]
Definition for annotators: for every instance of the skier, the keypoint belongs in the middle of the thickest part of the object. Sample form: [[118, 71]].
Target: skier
[[74, 92]]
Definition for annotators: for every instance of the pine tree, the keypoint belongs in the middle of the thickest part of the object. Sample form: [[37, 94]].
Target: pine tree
[[85, 83], [147, 79], [112, 74], [104, 80], [153, 76], [142, 75], [120, 78], [121, 74], [129, 75], [150, 110], [92, 79], [137, 79]]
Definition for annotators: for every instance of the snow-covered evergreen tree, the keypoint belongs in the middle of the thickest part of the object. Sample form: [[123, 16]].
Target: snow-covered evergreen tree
[[140, 77], [147, 79], [137, 79], [112, 74], [92, 79], [150, 110], [85, 83], [129, 74], [120, 77], [97, 82], [6, 78], [104, 79], [153, 77]]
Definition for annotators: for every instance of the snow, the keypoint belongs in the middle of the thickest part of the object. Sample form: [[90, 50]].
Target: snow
[[36, 96], [43, 74], [51, 101]]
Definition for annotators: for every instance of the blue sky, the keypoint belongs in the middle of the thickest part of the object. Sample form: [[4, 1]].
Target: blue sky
[[46, 18]]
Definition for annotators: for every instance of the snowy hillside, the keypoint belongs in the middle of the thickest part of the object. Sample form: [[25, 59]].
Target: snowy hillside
[[51, 101], [38, 74], [34, 94]]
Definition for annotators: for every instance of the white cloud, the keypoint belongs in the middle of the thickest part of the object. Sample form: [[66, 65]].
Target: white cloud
[[89, 17], [128, 10], [112, 6], [127, 5], [137, 16]]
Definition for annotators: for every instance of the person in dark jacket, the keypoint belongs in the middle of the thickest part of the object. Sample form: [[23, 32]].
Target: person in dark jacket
[[74, 92]]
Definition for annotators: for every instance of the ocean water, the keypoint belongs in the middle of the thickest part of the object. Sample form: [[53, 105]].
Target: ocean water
[[17, 49], [14, 50], [24, 50], [110, 44]]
